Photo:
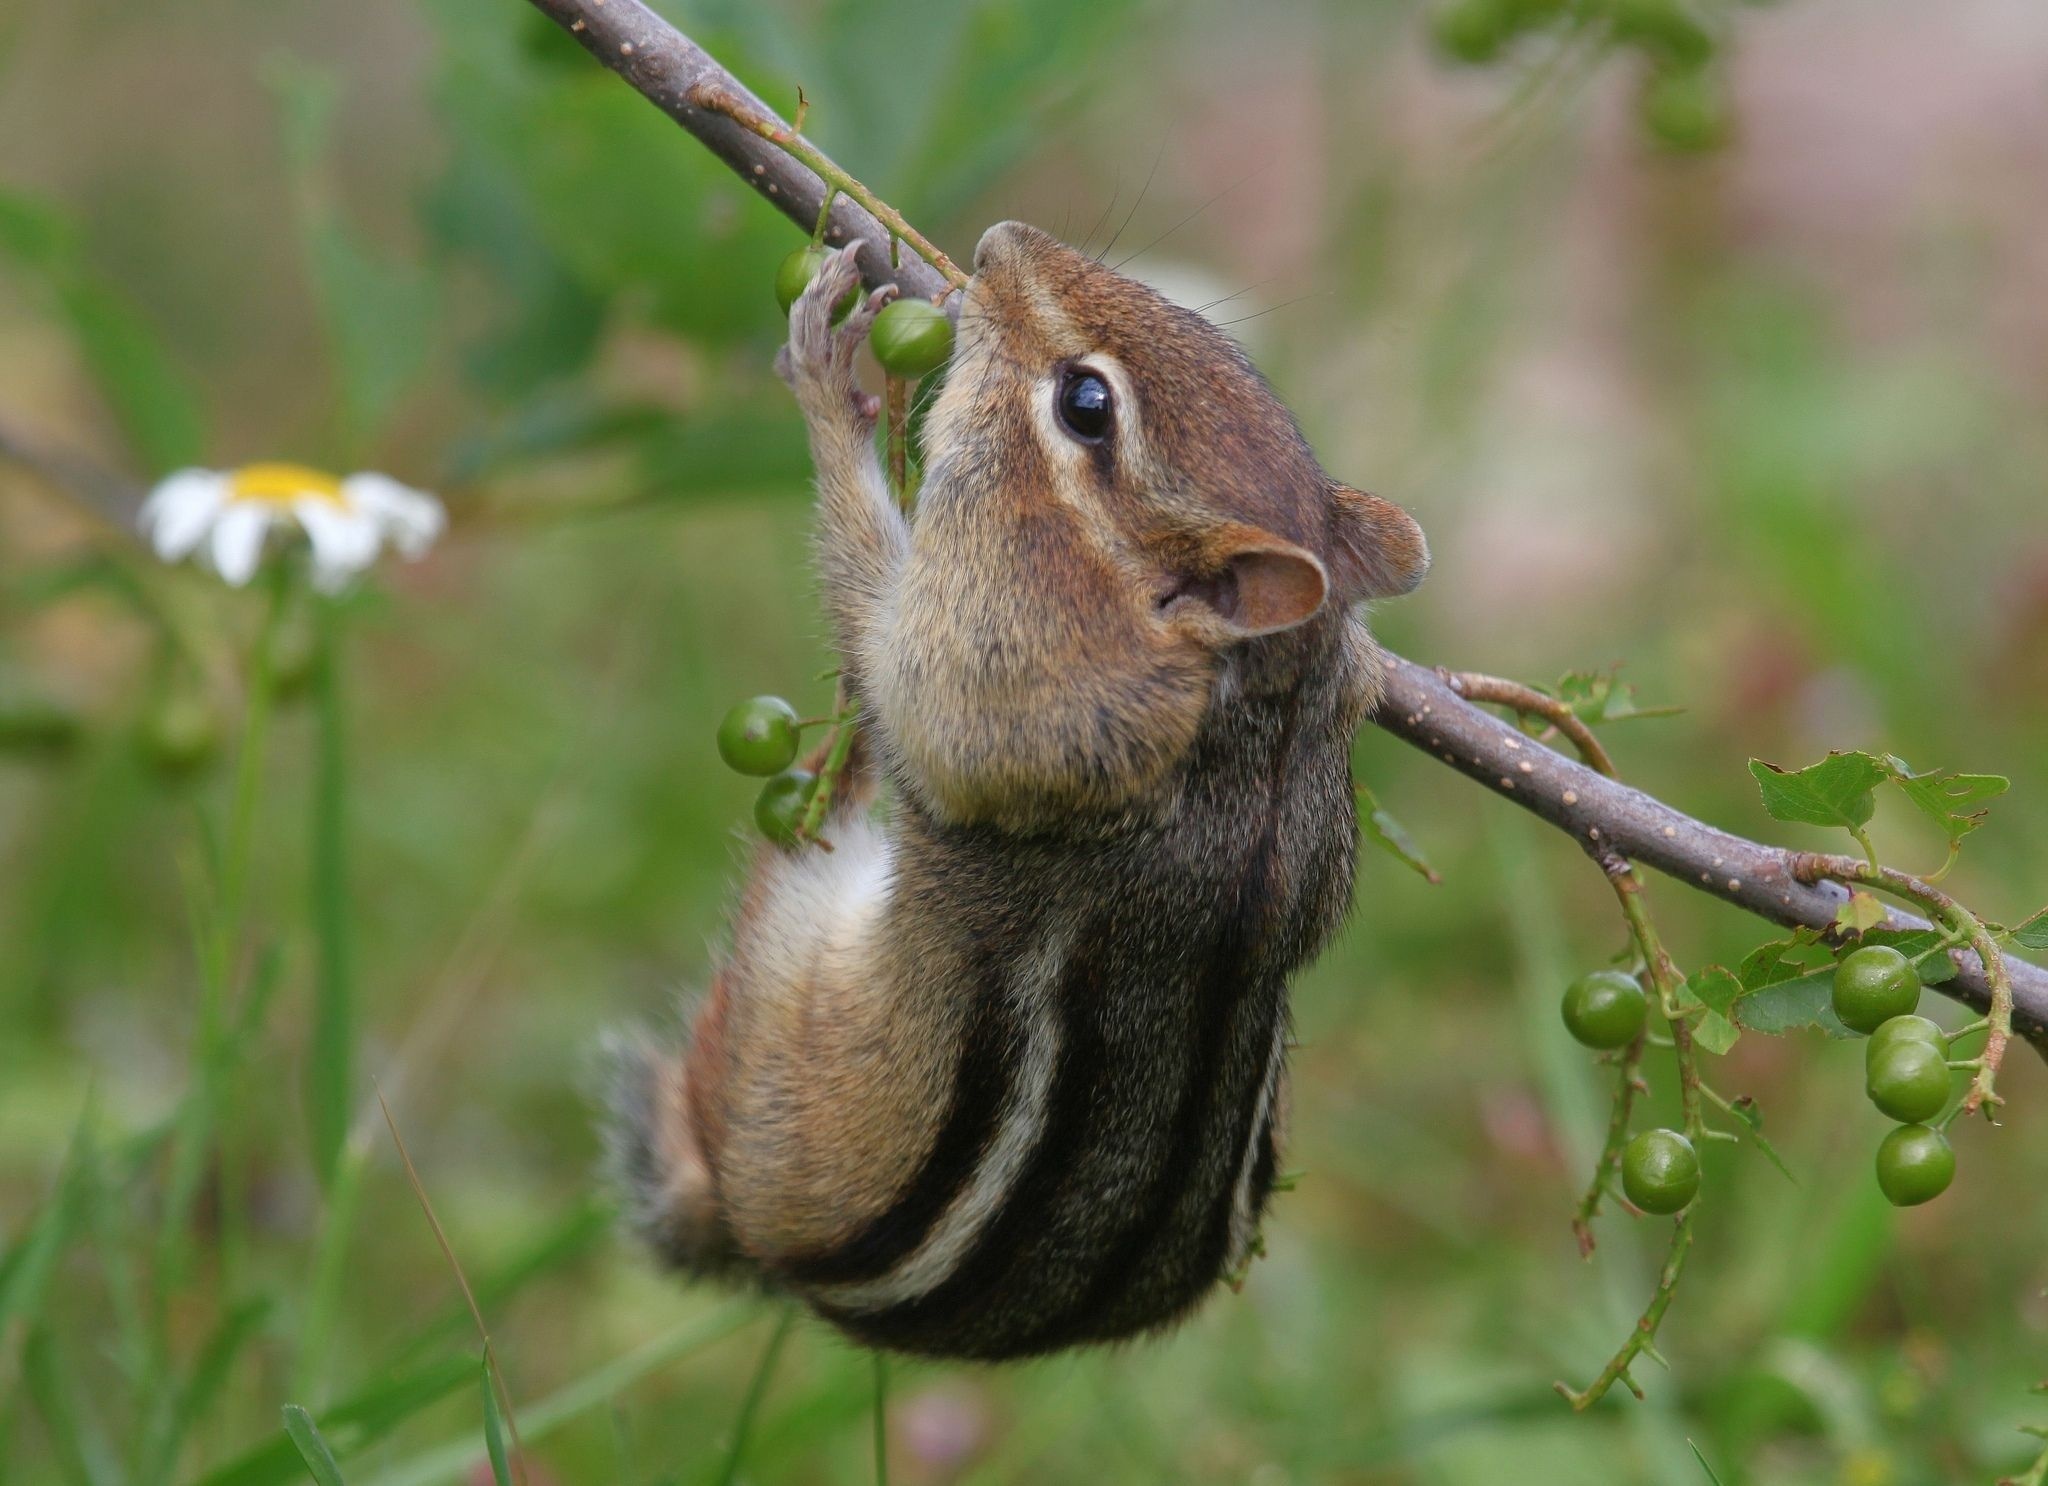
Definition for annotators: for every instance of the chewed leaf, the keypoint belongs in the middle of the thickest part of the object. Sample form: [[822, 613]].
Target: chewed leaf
[[2033, 934], [1391, 836], [1715, 1034], [1714, 988], [1946, 797], [1837, 791], [1859, 911], [1792, 1005], [1770, 963], [1602, 696]]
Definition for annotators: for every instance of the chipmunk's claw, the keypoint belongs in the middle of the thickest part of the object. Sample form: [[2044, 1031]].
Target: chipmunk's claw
[[818, 359]]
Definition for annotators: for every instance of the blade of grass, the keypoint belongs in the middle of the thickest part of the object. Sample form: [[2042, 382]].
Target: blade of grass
[[750, 1405], [352, 1425], [320, 1462], [25, 1277], [330, 1052], [449, 1462], [565, 1242], [83, 1458], [419, 1191], [494, 1427], [174, 1412], [881, 1420]]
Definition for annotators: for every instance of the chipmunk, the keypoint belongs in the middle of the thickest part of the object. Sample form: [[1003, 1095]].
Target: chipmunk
[[1002, 1071]]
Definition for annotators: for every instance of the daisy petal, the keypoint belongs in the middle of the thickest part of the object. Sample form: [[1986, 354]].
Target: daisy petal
[[344, 542], [179, 510], [238, 541], [412, 519]]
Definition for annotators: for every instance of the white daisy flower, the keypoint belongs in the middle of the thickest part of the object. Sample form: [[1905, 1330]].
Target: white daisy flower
[[226, 515]]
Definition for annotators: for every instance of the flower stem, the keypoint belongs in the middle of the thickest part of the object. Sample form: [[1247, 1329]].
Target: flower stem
[[330, 1053]]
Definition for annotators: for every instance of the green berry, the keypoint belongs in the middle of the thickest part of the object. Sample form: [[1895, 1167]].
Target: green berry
[[1666, 29], [797, 270], [1686, 110], [1604, 1009], [911, 337], [1914, 1165], [780, 808], [1471, 31], [180, 734], [759, 737], [1660, 1171], [1909, 1081], [1874, 984], [1903, 1029]]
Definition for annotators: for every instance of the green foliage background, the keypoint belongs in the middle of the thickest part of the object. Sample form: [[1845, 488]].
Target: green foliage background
[[1781, 452]]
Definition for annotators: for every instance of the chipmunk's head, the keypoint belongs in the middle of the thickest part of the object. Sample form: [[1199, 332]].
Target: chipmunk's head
[[1117, 512], [1087, 389]]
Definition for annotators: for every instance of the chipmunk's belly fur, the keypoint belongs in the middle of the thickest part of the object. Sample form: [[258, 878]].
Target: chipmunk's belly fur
[[1109, 1142]]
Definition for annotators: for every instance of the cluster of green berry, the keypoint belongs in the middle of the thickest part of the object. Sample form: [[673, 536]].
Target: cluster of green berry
[[1906, 1073], [910, 337], [759, 738], [1684, 101], [1660, 1170]]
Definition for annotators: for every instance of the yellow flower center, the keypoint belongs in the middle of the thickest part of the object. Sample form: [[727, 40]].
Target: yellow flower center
[[281, 484]]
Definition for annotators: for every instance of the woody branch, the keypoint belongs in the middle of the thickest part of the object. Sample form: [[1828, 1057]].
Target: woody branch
[[1422, 706]]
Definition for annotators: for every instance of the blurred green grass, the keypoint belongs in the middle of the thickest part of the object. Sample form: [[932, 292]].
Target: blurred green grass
[[1642, 418]]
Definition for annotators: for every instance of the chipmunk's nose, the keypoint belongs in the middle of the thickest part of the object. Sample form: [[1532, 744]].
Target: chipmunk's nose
[[1003, 239]]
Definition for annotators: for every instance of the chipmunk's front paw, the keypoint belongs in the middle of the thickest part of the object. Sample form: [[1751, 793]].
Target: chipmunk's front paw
[[818, 359]]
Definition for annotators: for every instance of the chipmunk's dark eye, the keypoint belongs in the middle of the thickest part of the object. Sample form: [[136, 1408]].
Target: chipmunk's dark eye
[[1084, 405]]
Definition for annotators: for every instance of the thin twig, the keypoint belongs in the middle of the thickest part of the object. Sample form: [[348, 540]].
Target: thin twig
[[666, 68], [419, 1191]]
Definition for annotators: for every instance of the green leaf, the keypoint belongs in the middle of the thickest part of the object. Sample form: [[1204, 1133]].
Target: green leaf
[[320, 1462], [1859, 911], [378, 308], [1837, 791], [1926, 948], [2033, 934], [494, 1427], [1792, 1005], [155, 406], [1715, 1034], [1602, 696], [1391, 836], [1770, 963], [1945, 797], [1712, 1479], [151, 399], [1714, 988]]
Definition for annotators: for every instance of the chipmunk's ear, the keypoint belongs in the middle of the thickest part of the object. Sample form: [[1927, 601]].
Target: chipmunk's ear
[[1248, 582], [1376, 549]]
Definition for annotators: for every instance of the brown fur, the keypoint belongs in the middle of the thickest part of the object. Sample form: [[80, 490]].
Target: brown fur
[[1000, 1074]]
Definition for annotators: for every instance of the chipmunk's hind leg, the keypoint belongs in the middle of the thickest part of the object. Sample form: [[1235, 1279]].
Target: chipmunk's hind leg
[[656, 1164]]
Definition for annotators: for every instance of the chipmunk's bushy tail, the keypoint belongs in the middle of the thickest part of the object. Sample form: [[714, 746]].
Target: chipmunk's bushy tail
[[653, 1165]]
